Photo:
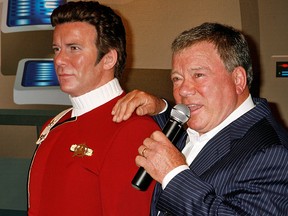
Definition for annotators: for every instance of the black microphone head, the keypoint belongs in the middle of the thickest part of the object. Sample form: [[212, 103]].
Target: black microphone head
[[180, 113]]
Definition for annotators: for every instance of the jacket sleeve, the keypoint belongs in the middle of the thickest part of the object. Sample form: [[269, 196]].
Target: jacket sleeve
[[162, 118], [258, 186]]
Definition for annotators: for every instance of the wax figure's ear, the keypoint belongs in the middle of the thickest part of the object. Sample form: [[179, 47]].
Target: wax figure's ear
[[110, 59], [240, 79]]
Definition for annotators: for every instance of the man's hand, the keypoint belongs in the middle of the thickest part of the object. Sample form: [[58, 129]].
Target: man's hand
[[158, 156], [139, 101]]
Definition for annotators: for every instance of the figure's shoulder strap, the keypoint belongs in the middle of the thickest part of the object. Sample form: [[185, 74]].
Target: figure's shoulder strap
[[47, 129]]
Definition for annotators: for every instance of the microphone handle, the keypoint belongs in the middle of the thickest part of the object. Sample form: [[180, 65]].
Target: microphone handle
[[142, 179]]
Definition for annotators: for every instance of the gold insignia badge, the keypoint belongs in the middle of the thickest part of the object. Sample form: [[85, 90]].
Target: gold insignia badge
[[81, 150]]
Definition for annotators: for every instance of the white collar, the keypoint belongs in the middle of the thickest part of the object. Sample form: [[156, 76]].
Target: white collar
[[95, 98]]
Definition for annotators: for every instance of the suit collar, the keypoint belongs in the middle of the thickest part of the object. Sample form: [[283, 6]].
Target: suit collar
[[222, 142]]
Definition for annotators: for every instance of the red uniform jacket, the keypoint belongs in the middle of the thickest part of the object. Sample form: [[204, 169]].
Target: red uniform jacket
[[64, 184]]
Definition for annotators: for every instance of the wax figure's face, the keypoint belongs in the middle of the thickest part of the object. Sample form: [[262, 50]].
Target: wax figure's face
[[75, 58], [201, 81]]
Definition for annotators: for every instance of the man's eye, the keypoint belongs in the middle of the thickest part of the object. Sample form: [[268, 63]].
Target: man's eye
[[74, 48], [175, 79], [55, 49], [197, 75]]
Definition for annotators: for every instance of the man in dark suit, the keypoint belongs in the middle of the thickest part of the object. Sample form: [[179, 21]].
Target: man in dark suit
[[233, 158]]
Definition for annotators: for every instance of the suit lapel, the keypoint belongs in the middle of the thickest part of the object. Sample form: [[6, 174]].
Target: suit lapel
[[221, 143], [213, 151]]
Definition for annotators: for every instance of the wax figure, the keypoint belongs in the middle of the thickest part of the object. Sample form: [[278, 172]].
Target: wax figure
[[84, 162]]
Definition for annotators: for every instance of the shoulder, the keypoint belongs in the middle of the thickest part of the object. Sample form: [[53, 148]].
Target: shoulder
[[144, 122]]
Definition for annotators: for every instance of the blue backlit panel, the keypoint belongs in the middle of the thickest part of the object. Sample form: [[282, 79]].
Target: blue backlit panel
[[27, 15], [36, 83], [39, 73], [30, 12]]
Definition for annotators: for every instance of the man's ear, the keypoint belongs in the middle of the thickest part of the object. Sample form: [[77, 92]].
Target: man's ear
[[240, 79], [110, 59]]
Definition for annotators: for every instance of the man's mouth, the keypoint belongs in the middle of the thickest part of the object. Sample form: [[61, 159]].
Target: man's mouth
[[194, 107]]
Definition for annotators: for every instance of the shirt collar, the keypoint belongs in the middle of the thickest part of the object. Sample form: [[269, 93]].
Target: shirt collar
[[247, 105]]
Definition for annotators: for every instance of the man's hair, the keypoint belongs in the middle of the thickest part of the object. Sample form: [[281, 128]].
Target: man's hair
[[110, 31], [230, 44]]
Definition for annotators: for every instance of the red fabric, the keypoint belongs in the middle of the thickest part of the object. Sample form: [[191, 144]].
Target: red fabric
[[60, 184]]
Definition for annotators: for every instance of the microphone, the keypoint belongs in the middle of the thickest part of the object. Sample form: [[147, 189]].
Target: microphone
[[179, 115]]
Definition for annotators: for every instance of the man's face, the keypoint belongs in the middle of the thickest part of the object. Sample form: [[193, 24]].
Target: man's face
[[75, 58], [201, 81]]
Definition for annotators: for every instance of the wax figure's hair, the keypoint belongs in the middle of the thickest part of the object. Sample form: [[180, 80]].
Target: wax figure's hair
[[110, 31]]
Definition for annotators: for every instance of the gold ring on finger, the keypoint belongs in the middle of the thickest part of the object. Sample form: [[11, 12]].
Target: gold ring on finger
[[143, 152]]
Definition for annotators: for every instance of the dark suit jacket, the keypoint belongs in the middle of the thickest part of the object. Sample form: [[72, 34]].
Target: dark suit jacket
[[243, 170]]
